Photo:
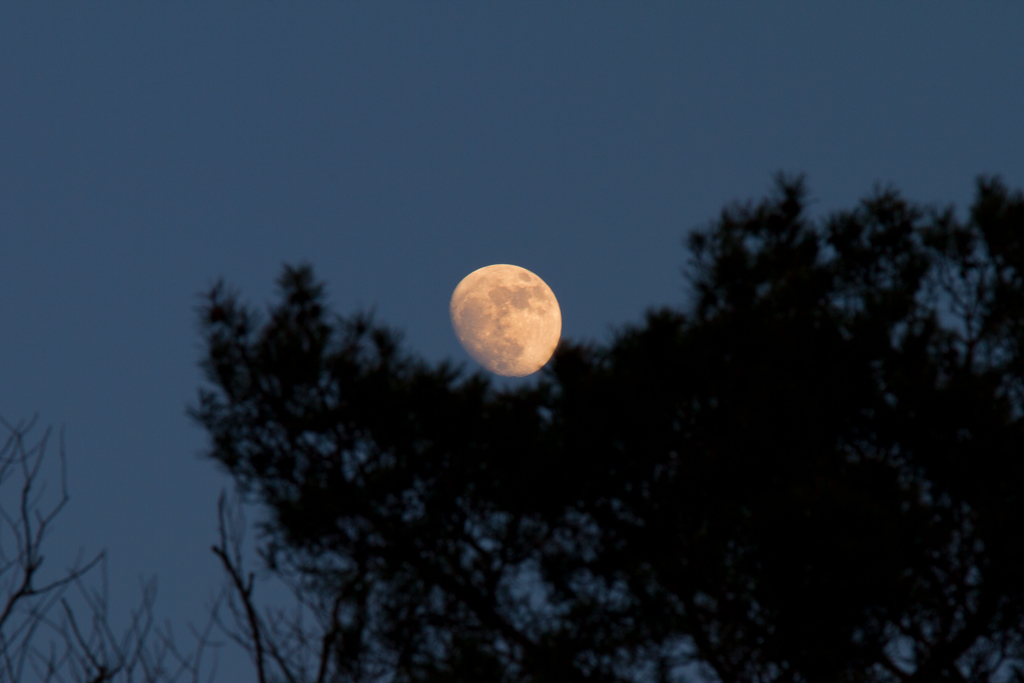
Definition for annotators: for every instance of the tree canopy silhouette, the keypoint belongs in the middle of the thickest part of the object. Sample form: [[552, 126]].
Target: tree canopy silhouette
[[811, 473]]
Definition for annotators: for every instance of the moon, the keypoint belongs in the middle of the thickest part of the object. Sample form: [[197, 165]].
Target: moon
[[507, 319]]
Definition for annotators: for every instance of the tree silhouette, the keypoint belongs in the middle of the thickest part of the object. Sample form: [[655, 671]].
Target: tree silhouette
[[813, 473], [55, 626]]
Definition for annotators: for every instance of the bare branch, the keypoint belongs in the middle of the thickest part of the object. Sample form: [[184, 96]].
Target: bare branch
[[232, 565], [41, 634]]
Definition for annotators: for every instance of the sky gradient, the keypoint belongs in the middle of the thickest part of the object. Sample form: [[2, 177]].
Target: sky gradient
[[147, 150]]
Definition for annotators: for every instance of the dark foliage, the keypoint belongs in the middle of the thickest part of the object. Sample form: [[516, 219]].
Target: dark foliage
[[813, 474]]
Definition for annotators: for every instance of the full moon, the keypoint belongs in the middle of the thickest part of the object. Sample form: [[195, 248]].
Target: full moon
[[507, 319]]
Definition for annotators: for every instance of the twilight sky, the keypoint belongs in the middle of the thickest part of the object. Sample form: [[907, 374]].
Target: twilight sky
[[147, 149]]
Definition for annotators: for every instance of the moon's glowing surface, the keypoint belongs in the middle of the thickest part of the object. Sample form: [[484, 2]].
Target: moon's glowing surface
[[507, 319]]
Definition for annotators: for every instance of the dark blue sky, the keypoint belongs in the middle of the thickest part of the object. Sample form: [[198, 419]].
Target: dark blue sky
[[147, 149]]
